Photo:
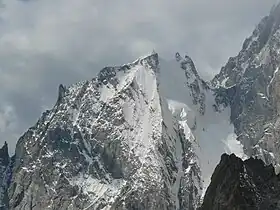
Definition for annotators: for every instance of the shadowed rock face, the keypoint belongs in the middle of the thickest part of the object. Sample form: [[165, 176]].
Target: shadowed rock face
[[238, 185], [5, 175], [4, 155]]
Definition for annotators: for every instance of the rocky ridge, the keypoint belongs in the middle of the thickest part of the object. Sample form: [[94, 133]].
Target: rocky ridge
[[248, 83], [243, 185], [5, 166], [108, 143], [132, 139]]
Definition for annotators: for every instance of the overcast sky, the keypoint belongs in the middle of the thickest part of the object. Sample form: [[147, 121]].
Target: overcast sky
[[47, 42]]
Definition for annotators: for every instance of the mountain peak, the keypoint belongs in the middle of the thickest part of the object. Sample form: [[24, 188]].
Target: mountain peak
[[149, 56], [61, 92], [108, 142], [249, 84], [5, 176], [187, 64], [150, 60], [260, 48], [275, 10], [4, 155]]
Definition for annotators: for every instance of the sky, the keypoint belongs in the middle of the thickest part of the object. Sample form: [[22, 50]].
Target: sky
[[47, 42]]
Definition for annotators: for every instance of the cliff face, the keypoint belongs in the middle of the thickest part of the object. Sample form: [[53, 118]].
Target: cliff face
[[238, 185], [5, 176], [248, 84]]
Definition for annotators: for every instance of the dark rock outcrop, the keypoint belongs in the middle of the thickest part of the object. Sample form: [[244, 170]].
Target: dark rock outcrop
[[4, 155], [242, 185], [5, 175]]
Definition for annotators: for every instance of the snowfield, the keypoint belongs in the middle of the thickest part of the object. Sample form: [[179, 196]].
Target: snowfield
[[212, 131]]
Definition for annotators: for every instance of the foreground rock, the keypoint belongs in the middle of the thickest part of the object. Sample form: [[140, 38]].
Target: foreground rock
[[238, 185]]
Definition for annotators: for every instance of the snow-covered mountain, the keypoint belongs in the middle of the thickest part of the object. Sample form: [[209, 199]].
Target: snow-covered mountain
[[149, 134], [249, 84], [192, 102], [108, 143], [138, 136]]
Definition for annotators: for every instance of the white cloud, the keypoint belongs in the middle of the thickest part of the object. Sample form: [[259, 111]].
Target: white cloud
[[7, 118], [8, 124], [47, 42]]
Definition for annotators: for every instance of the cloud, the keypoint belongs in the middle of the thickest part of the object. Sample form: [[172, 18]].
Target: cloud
[[47, 42], [7, 118], [8, 123]]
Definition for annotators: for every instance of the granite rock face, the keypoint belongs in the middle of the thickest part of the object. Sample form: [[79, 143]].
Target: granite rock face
[[108, 143], [249, 84], [243, 185], [196, 86], [147, 136], [5, 176]]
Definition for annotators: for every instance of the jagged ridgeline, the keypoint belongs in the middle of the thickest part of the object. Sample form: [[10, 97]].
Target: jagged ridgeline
[[249, 84], [108, 143], [238, 184], [148, 135]]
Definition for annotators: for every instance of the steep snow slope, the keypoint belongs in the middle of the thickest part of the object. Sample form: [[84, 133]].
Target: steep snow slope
[[108, 143], [193, 103]]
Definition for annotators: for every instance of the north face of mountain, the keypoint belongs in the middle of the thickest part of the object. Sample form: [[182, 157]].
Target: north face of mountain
[[108, 143], [249, 84], [248, 185]]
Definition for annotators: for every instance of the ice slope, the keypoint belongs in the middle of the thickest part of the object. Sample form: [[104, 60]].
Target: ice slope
[[213, 133]]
